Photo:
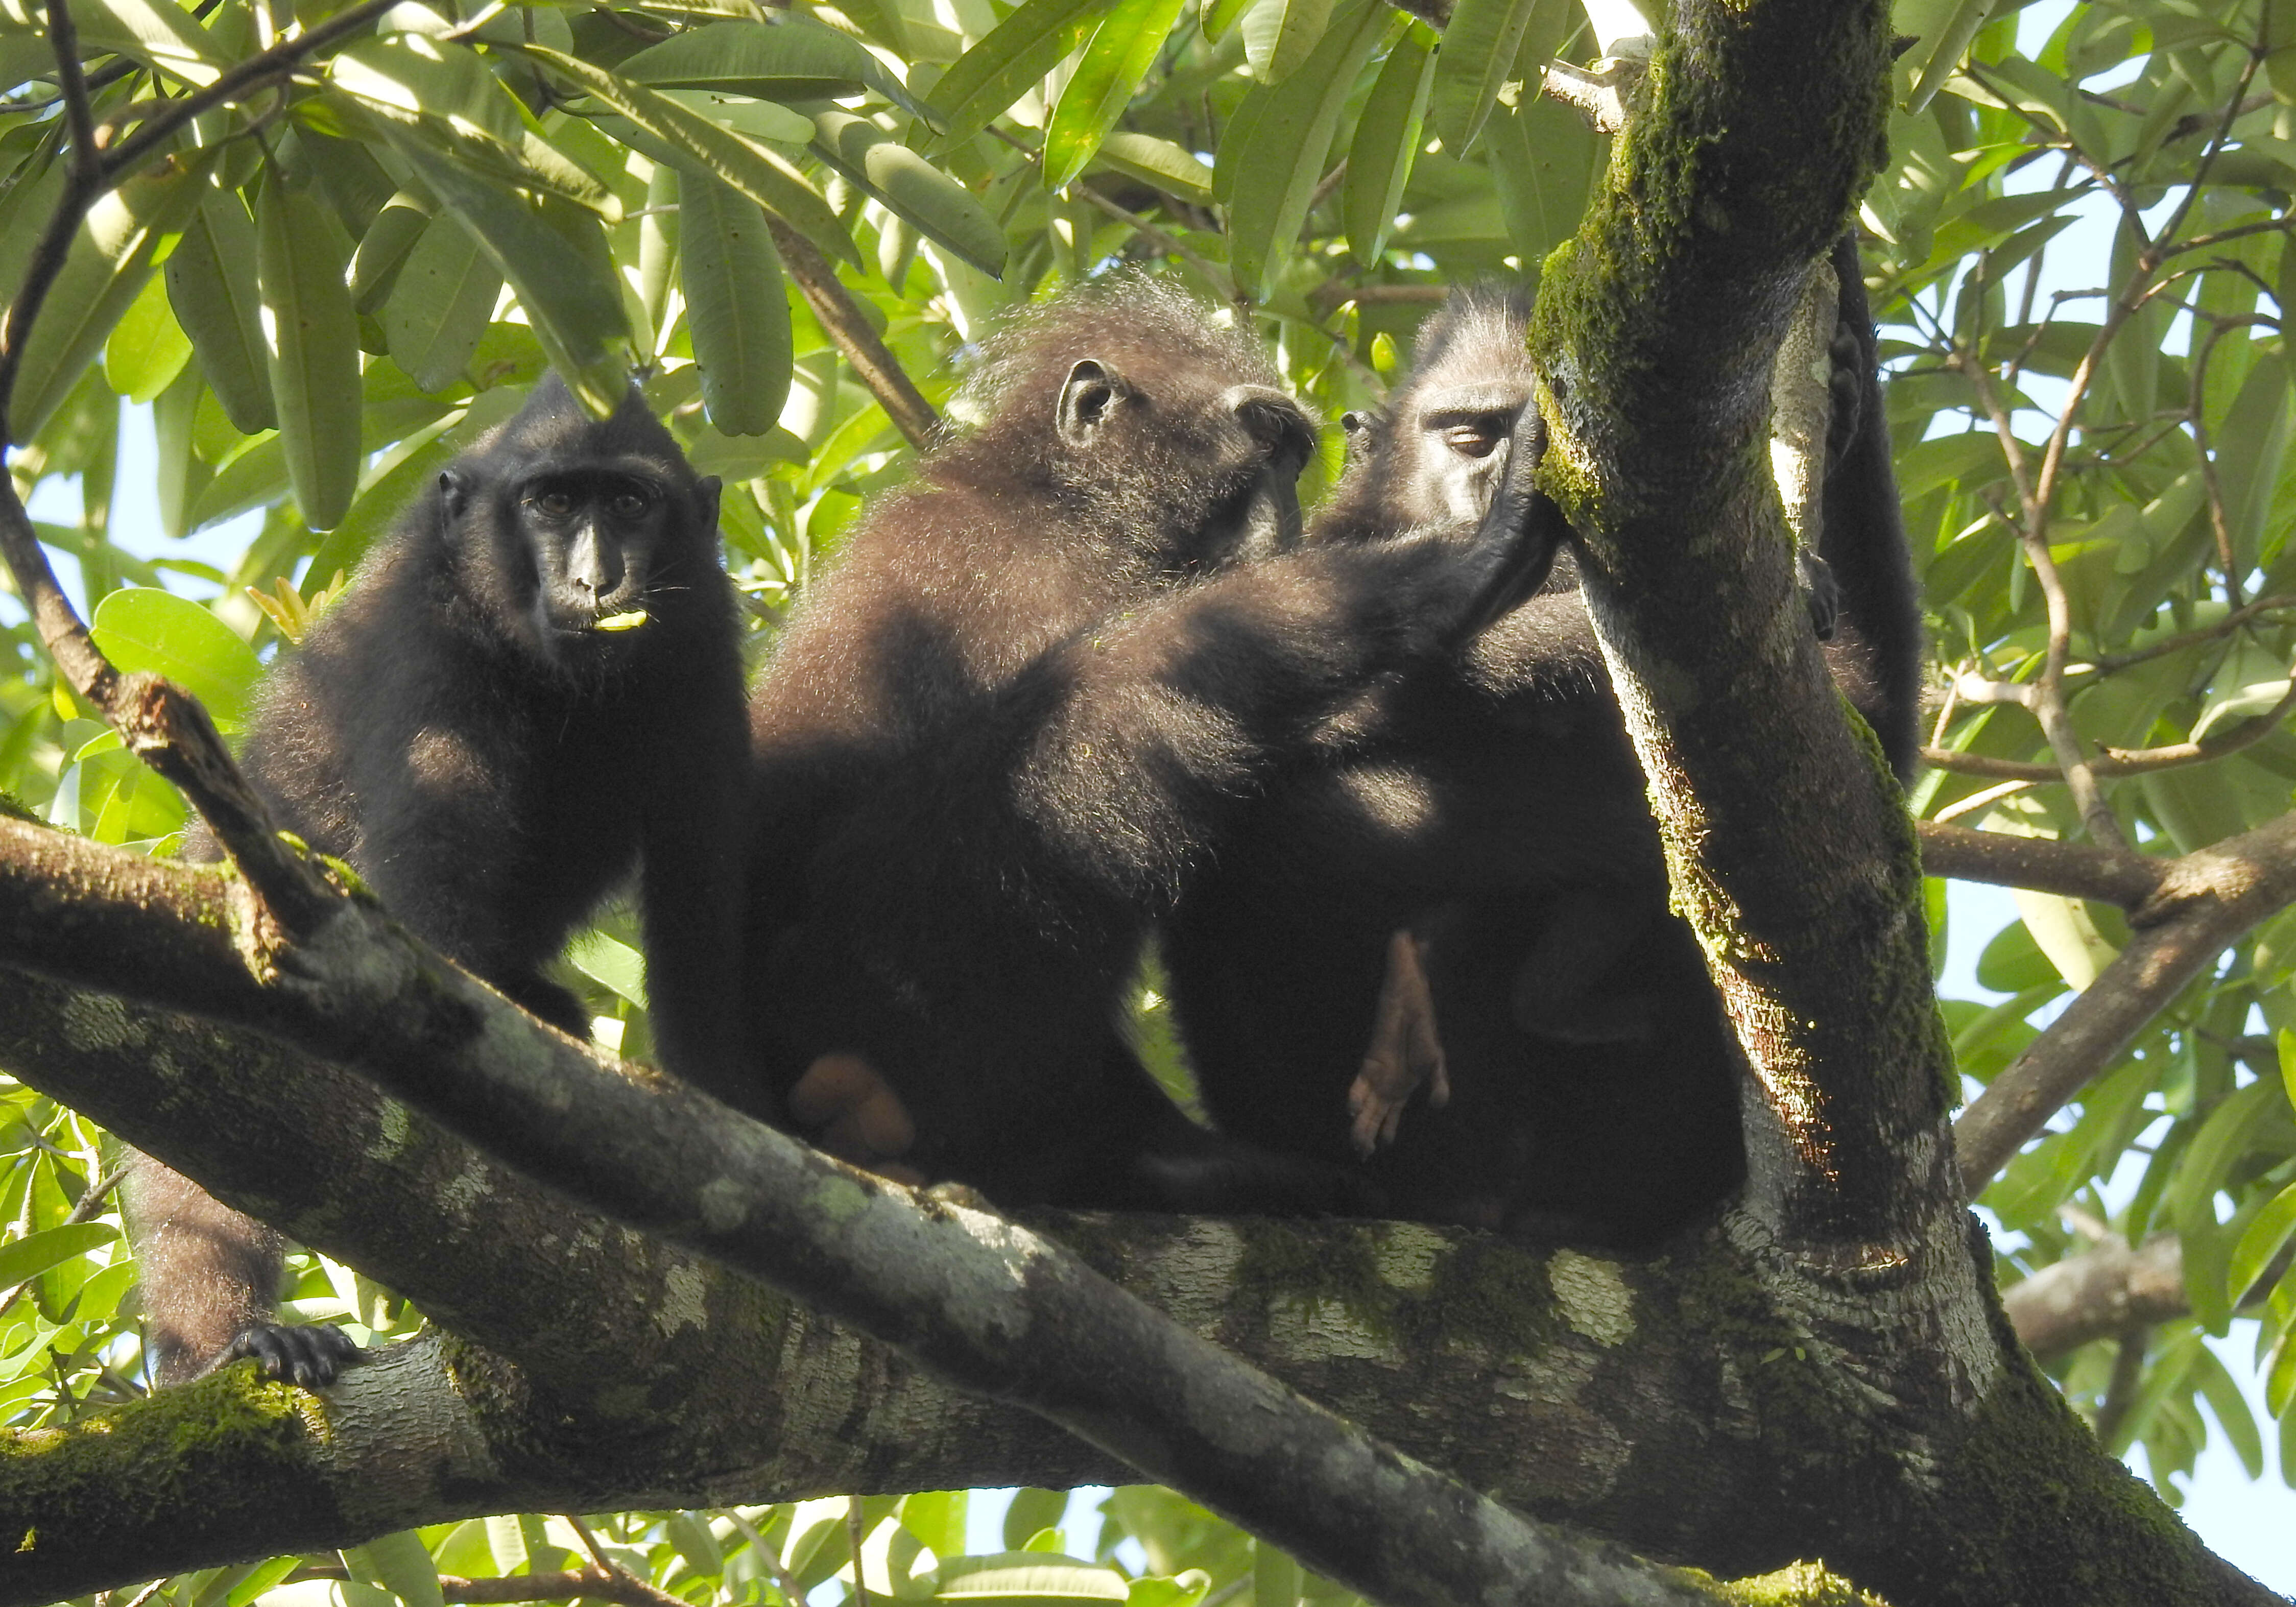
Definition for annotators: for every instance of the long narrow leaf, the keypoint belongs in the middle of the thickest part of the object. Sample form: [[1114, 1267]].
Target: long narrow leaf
[[1277, 171], [1009, 59], [1279, 35], [557, 260], [1122, 50], [758, 172], [942, 208], [211, 287], [311, 340], [444, 299], [1180, 173], [1387, 142], [736, 309], [111, 257], [790, 58], [1480, 45], [163, 36]]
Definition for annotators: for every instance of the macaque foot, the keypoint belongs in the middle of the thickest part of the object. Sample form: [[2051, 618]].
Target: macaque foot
[[1406, 1049], [306, 1355], [852, 1113]]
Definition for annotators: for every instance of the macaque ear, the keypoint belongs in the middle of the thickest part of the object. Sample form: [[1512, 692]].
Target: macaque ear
[[1088, 396]]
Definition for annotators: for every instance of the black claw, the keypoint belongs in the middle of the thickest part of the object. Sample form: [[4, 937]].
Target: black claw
[[308, 1355], [1820, 591]]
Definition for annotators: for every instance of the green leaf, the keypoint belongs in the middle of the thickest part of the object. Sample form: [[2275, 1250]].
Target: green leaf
[[443, 301], [402, 1565], [163, 36], [1281, 159], [1481, 43], [944, 211], [211, 286], [1279, 35], [1939, 53], [1542, 162], [33, 1254], [1008, 60], [1220, 15], [312, 348], [2261, 1240], [1019, 1579], [1123, 48], [2251, 444], [767, 121], [557, 262], [937, 1518], [446, 95], [103, 273], [1178, 173], [141, 627], [790, 58], [736, 309], [613, 964], [147, 349], [763, 175], [382, 251], [505, 1541], [1388, 137], [376, 509]]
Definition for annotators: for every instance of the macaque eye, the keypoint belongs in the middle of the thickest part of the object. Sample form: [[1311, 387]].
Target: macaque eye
[[1472, 440], [630, 504], [552, 505]]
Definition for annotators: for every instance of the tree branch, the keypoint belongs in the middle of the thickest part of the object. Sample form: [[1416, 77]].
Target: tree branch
[[2205, 902], [844, 323], [2076, 870], [966, 1293]]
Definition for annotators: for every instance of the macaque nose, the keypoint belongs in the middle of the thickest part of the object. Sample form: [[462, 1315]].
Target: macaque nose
[[592, 568]]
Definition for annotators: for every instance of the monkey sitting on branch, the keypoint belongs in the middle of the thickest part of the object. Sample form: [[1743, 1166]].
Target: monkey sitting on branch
[[1002, 734], [534, 685], [1476, 889]]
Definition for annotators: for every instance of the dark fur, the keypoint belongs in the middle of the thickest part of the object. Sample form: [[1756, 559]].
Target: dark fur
[[1498, 809], [996, 742], [493, 767]]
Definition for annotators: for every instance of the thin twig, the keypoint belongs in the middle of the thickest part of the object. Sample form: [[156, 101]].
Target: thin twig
[[2124, 761], [842, 320], [280, 61], [855, 1537]]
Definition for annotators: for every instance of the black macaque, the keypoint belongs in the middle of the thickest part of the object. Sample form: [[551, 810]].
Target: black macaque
[[535, 685], [1488, 842], [997, 738]]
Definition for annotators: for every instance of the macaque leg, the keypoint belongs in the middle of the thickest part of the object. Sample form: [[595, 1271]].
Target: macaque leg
[[855, 1115], [1406, 1048]]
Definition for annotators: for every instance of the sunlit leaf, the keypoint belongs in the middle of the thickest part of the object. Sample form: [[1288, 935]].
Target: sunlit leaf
[[755, 170], [211, 286], [1387, 142], [1122, 50], [33, 1254], [1278, 159], [558, 263], [444, 299], [736, 309], [311, 347], [943, 210], [111, 257], [142, 628], [1008, 61], [790, 57]]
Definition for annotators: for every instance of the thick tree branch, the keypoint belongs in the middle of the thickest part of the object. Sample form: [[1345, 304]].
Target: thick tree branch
[[2076, 870], [989, 1303], [162, 725], [2205, 902], [844, 323], [1656, 329]]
